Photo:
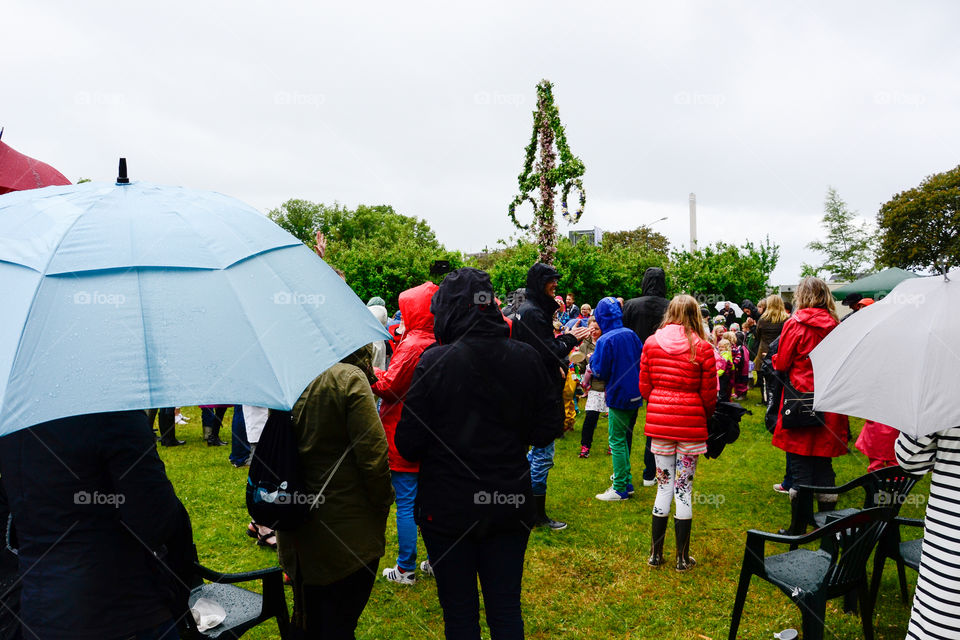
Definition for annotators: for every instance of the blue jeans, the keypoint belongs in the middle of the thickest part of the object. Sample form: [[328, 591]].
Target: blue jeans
[[239, 447], [541, 461], [787, 475], [405, 487]]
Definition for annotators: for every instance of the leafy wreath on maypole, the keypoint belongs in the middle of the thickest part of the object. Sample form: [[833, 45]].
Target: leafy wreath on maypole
[[547, 132]]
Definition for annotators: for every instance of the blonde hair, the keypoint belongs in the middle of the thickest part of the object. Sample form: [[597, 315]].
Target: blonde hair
[[730, 337], [718, 331], [725, 345], [813, 293], [685, 311], [775, 311]]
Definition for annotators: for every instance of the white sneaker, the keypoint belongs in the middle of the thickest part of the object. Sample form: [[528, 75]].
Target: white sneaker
[[426, 568], [180, 420], [612, 495], [649, 483], [393, 574]]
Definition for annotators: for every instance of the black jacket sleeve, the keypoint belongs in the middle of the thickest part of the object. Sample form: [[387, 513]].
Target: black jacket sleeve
[[543, 406], [535, 329]]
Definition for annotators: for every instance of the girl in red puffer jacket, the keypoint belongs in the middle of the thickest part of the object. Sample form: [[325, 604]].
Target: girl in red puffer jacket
[[678, 377]]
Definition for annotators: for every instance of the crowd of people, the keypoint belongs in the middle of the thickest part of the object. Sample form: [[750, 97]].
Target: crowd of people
[[454, 421]]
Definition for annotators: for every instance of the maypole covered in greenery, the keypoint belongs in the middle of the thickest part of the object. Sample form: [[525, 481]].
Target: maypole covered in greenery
[[547, 133]]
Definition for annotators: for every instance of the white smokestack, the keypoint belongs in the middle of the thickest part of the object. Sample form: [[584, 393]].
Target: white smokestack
[[693, 222]]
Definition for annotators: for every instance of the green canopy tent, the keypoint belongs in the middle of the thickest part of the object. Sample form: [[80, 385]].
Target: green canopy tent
[[876, 285]]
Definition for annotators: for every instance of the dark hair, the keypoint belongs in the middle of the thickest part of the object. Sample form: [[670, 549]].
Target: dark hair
[[788, 306]]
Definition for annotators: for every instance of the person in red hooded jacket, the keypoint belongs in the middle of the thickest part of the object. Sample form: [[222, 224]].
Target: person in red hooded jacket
[[810, 449], [392, 385], [678, 377]]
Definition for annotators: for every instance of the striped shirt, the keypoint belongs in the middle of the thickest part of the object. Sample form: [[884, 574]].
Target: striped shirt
[[936, 603]]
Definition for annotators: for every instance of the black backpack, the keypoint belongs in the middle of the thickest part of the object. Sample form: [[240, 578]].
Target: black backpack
[[276, 496]]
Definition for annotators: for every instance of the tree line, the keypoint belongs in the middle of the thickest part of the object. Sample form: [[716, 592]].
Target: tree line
[[382, 252]]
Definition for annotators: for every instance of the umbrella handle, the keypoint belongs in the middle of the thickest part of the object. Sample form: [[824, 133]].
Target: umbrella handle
[[122, 173]]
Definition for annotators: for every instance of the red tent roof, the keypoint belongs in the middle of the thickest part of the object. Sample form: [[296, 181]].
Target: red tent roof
[[19, 172]]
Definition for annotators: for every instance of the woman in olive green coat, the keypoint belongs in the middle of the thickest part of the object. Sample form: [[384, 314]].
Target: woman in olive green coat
[[333, 557]]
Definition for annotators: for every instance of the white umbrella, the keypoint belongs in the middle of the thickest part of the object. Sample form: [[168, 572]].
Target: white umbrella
[[733, 305], [896, 361]]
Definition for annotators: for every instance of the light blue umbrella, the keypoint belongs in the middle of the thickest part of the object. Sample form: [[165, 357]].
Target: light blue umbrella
[[132, 296]]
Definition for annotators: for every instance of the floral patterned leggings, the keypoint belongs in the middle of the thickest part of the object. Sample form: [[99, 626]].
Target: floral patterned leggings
[[675, 482]]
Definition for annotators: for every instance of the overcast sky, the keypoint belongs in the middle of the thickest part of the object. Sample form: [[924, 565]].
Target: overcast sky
[[755, 107]]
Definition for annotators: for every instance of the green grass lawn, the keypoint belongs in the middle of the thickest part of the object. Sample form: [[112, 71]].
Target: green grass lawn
[[590, 580]]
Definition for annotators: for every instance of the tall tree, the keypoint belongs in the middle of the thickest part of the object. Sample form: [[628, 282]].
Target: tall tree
[[920, 227], [547, 132], [848, 247], [642, 238]]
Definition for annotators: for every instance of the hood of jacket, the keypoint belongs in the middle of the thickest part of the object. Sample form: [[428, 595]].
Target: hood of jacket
[[654, 282], [673, 339], [415, 308], [464, 305], [819, 319], [609, 315], [380, 313], [537, 278], [362, 358]]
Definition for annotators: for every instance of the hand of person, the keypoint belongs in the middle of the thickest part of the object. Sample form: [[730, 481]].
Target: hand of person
[[321, 248], [580, 332]]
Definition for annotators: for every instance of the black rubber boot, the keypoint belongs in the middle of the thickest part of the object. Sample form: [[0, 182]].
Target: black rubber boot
[[799, 517], [216, 437], [681, 529], [658, 531], [543, 520], [212, 435]]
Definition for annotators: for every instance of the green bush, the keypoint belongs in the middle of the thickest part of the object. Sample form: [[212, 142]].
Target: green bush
[[382, 253]]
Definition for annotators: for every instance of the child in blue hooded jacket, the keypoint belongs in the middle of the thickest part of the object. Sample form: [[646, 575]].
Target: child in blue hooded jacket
[[616, 361]]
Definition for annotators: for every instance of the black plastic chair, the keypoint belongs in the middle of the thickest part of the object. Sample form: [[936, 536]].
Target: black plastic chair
[[903, 552], [810, 578], [245, 609], [887, 487]]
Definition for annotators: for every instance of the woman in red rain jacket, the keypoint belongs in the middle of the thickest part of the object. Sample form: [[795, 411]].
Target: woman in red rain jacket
[[392, 386], [810, 449], [678, 377]]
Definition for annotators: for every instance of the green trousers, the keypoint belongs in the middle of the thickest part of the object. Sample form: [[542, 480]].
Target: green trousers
[[618, 421]]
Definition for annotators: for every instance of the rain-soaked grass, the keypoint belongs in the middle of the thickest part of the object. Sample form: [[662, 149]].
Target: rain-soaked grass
[[590, 580]]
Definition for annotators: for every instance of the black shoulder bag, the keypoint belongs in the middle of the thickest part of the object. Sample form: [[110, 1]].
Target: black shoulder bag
[[797, 410]]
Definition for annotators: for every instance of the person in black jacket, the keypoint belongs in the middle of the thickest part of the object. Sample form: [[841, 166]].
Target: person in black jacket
[[534, 326], [750, 310], [644, 315], [476, 402], [93, 509]]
